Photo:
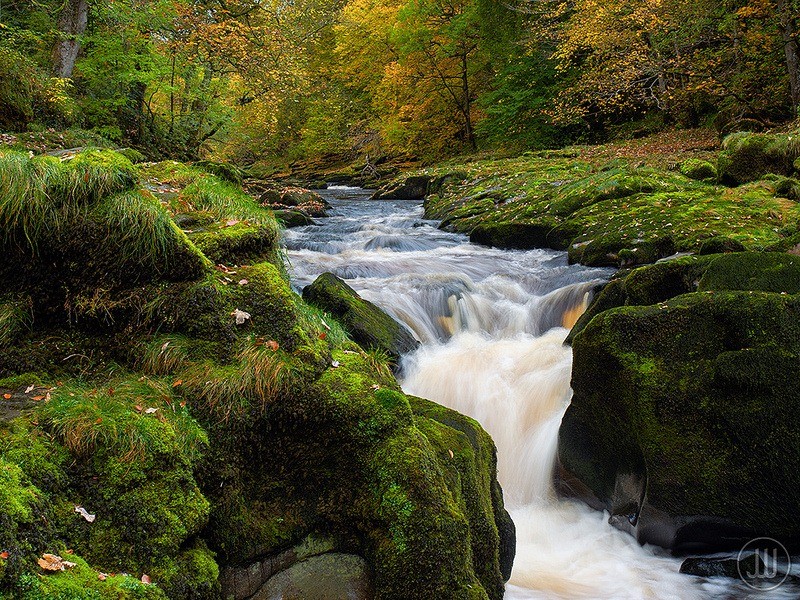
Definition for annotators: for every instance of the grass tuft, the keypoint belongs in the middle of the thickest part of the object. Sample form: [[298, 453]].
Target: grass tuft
[[115, 418]]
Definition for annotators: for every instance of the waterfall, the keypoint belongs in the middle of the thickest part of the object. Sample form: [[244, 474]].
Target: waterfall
[[492, 325]]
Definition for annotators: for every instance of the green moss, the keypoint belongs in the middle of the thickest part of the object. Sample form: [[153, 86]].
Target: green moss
[[239, 244], [227, 171], [132, 155], [365, 322], [81, 582], [768, 272], [698, 169], [747, 157]]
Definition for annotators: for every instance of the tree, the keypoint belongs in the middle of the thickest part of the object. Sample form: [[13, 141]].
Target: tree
[[71, 25]]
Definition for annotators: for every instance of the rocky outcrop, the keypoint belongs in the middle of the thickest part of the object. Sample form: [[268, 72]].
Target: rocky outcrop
[[685, 420], [366, 323], [410, 188], [191, 423]]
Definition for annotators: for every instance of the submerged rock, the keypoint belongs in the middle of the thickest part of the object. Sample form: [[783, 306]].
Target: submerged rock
[[685, 420], [365, 322]]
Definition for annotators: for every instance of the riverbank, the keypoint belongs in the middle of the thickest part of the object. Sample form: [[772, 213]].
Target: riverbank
[[621, 205]]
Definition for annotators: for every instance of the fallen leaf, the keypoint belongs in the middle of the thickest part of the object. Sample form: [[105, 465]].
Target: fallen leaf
[[232, 222], [178, 383], [37, 398], [150, 411], [59, 383], [85, 514], [70, 551], [450, 452], [145, 579], [243, 282], [335, 364], [240, 316], [323, 335], [7, 396], [98, 421], [183, 403], [52, 562], [102, 576], [139, 408], [273, 345], [4, 554], [29, 389]]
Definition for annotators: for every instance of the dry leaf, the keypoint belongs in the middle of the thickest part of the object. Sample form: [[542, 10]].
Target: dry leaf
[[150, 411], [29, 389], [240, 316], [273, 345], [323, 335], [102, 576], [139, 408], [7, 396], [183, 403], [243, 282], [451, 453], [177, 383], [52, 562], [335, 364], [37, 398], [85, 514], [4, 554], [145, 579]]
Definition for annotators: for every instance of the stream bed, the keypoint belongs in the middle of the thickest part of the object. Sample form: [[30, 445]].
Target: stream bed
[[492, 324]]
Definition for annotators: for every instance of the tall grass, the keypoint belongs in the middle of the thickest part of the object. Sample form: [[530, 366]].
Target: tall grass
[[14, 316], [226, 201], [114, 418], [41, 196]]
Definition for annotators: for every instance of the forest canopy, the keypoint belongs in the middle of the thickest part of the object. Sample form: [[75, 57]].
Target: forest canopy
[[260, 80]]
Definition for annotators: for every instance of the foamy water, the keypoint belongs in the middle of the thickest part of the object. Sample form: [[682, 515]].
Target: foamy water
[[492, 326]]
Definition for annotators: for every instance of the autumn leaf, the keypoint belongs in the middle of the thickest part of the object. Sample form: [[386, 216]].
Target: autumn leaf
[[323, 335], [150, 411], [139, 408], [273, 345], [4, 554], [52, 562], [145, 579], [178, 383], [29, 389], [102, 576], [7, 396]]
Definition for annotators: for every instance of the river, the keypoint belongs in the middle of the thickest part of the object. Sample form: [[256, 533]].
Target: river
[[492, 324]]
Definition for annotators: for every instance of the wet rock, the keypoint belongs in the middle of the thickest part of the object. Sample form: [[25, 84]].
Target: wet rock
[[365, 322], [727, 567], [326, 577], [412, 188], [685, 382], [293, 218]]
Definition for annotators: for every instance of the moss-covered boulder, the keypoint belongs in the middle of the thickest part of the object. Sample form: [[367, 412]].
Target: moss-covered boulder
[[365, 322], [701, 170], [176, 419], [748, 157], [684, 418]]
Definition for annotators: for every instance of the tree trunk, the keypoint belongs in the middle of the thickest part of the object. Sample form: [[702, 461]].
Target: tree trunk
[[71, 24], [788, 29], [468, 128]]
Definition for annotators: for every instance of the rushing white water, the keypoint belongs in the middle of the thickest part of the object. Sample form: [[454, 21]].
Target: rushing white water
[[492, 326]]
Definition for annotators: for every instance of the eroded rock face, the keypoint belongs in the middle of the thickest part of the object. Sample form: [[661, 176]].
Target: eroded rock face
[[327, 577], [685, 422]]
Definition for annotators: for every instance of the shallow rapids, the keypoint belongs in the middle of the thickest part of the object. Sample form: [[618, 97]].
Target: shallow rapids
[[492, 325]]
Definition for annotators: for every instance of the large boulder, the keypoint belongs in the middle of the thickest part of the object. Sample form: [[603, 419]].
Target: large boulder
[[411, 188], [366, 323], [685, 421], [748, 157]]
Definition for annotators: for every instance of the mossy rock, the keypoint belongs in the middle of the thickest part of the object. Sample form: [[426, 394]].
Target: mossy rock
[[365, 322], [410, 188], [788, 187], [293, 218], [672, 363], [226, 171], [720, 245], [750, 156], [700, 170], [238, 244], [132, 155]]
